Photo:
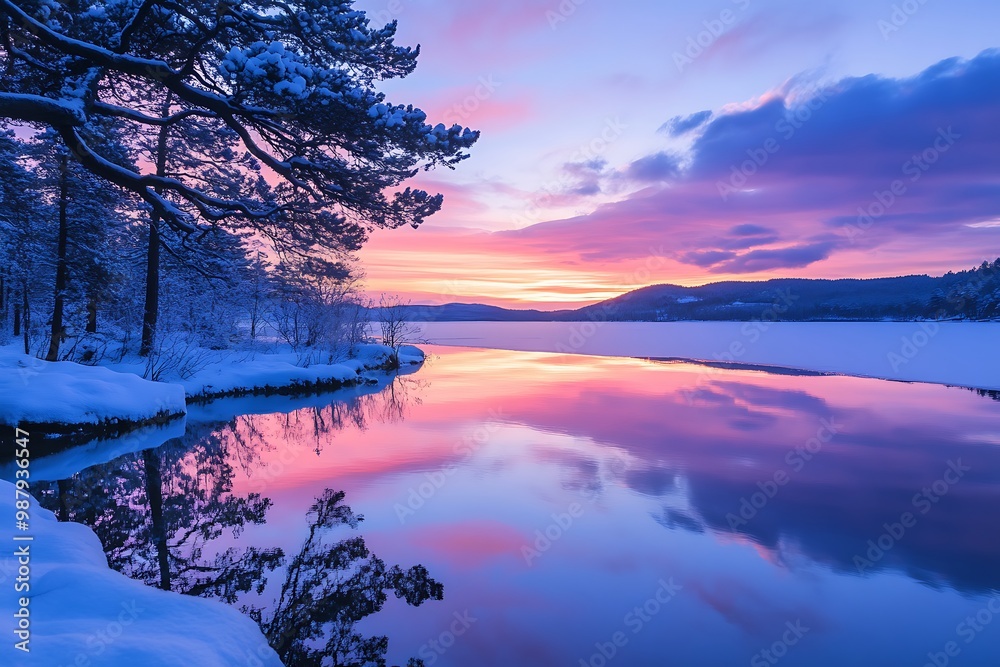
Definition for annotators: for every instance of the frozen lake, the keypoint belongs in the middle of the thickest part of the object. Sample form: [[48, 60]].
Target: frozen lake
[[956, 353], [583, 510]]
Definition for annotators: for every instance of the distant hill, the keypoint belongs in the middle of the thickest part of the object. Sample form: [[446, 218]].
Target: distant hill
[[973, 294], [478, 312]]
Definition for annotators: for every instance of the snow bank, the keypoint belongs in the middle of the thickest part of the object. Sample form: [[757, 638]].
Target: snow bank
[[83, 613], [36, 391], [73, 395], [222, 410], [954, 353], [67, 462], [264, 373], [282, 372], [408, 354], [70, 394]]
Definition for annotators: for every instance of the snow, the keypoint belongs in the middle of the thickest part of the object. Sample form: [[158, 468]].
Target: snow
[[65, 463], [73, 394], [225, 409], [953, 353], [409, 354], [270, 61], [67, 393], [258, 374], [236, 374], [82, 612]]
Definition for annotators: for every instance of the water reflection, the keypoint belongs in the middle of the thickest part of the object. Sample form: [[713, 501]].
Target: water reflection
[[161, 514], [848, 468], [758, 492], [169, 516], [329, 587]]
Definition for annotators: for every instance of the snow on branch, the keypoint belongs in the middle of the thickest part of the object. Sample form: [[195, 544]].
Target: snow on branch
[[287, 88]]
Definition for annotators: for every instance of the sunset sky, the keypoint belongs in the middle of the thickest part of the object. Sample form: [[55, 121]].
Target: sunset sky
[[640, 142]]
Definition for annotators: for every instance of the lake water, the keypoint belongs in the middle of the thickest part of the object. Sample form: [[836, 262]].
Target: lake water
[[598, 511]]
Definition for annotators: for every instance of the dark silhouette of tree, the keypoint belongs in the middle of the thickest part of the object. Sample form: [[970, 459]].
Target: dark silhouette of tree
[[328, 588], [158, 512]]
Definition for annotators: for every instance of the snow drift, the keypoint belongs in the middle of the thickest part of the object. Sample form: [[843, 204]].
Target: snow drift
[[67, 393]]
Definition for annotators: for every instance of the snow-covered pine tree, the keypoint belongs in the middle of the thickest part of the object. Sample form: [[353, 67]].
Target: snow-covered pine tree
[[293, 83]]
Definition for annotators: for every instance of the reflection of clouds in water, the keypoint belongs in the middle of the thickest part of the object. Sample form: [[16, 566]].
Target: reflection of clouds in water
[[674, 519], [656, 475], [831, 506], [740, 430]]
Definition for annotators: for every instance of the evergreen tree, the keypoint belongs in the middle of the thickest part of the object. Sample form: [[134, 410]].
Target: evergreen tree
[[287, 87], [25, 254]]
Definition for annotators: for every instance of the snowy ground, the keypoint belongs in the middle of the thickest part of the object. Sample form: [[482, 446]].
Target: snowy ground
[[955, 353], [83, 613], [36, 391], [69, 394], [233, 373]]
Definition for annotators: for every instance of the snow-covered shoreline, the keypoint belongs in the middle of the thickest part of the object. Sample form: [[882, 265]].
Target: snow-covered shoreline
[[82, 612], [68, 461], [120, 620], [81, 402], [68, 397]]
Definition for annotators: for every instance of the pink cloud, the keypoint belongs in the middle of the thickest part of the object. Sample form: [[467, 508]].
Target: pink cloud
[[481, 105]]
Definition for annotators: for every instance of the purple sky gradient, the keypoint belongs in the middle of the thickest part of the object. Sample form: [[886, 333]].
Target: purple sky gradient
[[610, 137]]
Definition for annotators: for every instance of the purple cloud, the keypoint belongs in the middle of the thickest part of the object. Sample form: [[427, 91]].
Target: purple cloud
[[862, 163], [656, 167], [681, 125]]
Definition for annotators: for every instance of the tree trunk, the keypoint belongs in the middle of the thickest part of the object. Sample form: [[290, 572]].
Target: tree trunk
[[151, 310], [61, 269], [154, 494], [91, 313], [152, 306], [64, 486], [25, 318], [17, 320]]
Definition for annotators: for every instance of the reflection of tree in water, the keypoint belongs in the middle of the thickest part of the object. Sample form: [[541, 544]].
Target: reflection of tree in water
[[161, 513], [987, 393], [328, 588], [251, 436], [393, 404], [168, 517]]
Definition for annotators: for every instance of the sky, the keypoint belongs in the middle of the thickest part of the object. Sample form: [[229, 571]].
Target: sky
[[637, 142]]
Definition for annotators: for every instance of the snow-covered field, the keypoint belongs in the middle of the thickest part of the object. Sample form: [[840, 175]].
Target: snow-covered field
[[70, 394], [83, 613], [956, 353]]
